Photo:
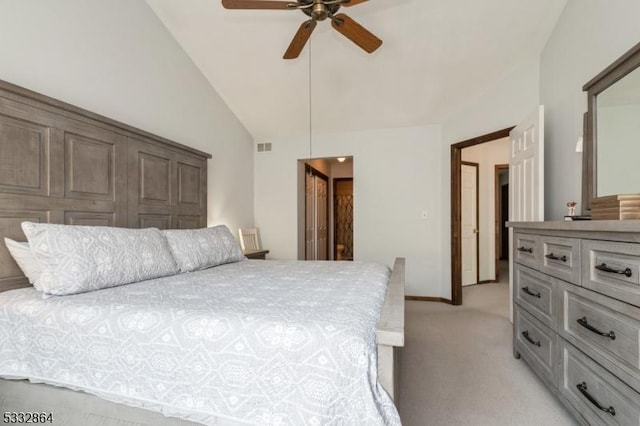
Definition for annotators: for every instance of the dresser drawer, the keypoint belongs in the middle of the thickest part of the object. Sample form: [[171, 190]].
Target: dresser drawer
[[526, 249], [599, 396], [609, 334], [534, 291], [613, 269], [536, 343], [561, 258]]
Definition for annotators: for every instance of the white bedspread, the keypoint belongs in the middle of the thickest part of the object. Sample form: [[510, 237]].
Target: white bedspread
[[264, 342]]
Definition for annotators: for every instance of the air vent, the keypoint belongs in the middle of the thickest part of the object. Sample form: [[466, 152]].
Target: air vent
[[262, 147]]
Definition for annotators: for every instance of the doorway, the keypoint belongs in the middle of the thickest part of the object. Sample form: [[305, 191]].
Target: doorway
[[343, 218], [325, 208], [486, 228], [501, 193]]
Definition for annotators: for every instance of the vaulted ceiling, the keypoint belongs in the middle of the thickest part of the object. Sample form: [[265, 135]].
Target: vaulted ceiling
[[436, 55]]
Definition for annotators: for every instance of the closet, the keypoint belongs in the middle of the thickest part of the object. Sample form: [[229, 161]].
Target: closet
[[316, 214]]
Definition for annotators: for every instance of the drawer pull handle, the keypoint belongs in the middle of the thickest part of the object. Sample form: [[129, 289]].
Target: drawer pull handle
[[554, 257], [582, 387], [526, 249], [604, 268], [525, 334], [583, 322], [530, 293]]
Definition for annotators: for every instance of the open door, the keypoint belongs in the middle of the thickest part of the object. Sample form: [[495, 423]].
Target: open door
[[469, 223], [526, 179]]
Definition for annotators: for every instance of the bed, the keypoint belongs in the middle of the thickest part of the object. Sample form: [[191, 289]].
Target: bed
[[211, 342], [139, 180]]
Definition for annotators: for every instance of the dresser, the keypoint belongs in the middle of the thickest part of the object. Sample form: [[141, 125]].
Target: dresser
[[576, 294]]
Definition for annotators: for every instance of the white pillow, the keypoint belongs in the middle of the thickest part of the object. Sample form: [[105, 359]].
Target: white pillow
[[203, 248], [22, 254], [76, 259]]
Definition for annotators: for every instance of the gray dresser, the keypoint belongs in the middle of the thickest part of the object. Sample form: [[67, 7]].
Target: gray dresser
[[576, 294]]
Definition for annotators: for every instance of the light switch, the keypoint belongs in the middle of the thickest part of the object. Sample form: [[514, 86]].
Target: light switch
[[424, 214]]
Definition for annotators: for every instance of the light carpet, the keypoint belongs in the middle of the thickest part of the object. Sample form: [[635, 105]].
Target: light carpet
[[457, 367]]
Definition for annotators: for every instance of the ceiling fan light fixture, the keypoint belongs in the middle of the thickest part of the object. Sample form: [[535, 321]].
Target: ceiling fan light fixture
[[317, 10]]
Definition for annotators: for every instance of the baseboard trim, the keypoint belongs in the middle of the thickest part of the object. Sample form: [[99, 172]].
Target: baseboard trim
[[428, 299]]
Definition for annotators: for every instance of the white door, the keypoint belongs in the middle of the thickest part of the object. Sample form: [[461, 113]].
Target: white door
[[526, 178], [469, 223]]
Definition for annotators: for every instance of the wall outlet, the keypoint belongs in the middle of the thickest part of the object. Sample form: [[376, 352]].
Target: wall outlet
[[424, 214]]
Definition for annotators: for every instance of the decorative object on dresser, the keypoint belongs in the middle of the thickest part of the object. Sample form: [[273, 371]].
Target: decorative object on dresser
[[616, 207], [576, 294]]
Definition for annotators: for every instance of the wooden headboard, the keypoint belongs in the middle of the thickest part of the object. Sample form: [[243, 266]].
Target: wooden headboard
[[63, 164]]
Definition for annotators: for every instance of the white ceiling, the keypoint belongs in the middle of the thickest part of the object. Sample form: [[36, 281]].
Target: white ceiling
[[435, 55]]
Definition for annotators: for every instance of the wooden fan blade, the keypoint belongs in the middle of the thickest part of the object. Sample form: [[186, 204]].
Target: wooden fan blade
[[356, 33], [256, 4], [300, 39], [353, 3]]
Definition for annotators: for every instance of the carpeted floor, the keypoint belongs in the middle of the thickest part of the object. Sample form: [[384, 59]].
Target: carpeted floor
[[457, 366]]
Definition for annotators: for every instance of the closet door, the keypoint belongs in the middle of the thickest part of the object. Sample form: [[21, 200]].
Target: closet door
[[316, 215], [309, 228], [322, 219]]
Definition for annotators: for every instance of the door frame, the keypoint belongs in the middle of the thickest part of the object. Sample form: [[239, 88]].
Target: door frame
[[497, 193], [477, 166], [335, 213], [456, 207]]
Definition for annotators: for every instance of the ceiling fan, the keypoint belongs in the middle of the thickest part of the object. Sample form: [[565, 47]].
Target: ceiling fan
[[318, 10]]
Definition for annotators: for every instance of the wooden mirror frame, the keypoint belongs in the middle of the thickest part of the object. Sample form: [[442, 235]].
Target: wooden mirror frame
[[611, 75]]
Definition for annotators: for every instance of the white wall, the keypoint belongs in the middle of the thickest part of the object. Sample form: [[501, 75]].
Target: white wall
[[397, 174], [342, 170], [115, 58], [503, 104], [589, 36], [487, 155]]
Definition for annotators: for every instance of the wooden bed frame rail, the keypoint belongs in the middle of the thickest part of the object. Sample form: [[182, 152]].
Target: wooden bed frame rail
[[390, 331]]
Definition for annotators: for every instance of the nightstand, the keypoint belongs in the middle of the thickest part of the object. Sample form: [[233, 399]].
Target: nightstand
[[256, 254]]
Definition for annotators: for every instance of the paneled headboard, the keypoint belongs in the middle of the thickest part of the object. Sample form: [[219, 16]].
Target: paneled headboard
[[63, 164]]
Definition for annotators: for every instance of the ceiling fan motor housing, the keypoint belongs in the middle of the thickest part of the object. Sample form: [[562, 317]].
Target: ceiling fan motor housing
[[320, 11]]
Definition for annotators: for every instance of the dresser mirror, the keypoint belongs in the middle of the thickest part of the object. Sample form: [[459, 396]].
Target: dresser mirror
[[612, 129]]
